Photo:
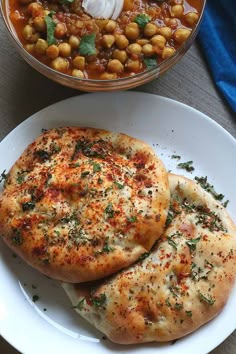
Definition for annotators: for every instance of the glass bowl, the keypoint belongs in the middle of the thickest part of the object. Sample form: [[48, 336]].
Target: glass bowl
[[91, 85]]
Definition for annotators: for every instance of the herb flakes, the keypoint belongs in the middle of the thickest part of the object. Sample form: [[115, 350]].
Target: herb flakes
[[188, 166]]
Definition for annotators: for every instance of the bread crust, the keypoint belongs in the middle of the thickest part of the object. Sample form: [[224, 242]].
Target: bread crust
[[83, 203], [183, 283]]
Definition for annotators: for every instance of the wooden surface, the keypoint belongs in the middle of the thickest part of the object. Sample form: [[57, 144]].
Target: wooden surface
[[23, 92]]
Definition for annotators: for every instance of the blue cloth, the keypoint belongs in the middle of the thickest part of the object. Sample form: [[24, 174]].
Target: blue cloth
[[218, 40]]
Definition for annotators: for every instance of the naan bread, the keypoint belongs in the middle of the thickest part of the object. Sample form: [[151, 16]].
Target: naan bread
[[82, 203], [183, 283]]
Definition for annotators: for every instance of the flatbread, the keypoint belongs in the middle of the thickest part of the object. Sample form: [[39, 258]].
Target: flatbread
[[183, 283], [82, 203]]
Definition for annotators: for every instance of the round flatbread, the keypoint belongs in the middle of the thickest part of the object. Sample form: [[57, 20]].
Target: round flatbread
[[183, 283], [82, 203]]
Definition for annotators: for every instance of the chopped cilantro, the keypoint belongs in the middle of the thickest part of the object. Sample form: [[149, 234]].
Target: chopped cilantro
[[142, 20], [3, 176], [28, 206], [150, 63], [96, 167], [209, 300], [225, 204], [107, 248], [131, 218], [177, 157], [189, 313], [172, 242], [192, 243], [51, 25], [109, 211], [186, 166], [17, 238], [84, 174], [87, 45], [80, 305], [119, 185], [35, 298], [143, 256], [42, 155], [178, 306], [99, 301], [100, 180], [208, 187], [66, 2]]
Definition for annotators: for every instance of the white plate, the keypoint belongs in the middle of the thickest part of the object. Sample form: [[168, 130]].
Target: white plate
[[172, 128]]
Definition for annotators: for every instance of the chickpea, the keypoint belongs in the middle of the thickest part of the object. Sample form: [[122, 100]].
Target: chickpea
[[142, 41], [167, 52], [135, 48], [110, 26], [148, 50], [79, 62], [108, 40], [52, 51], [121, 55], [132, 31], [60, 30], [115, 66], [29, 34], [29, 48], [39, 24], [35, 9], [64, 49], [74, 42], [181, 35], [108, 76], [150, 30], [41, 46], [78, 73], [60, 64], [121, 41], [166, 32], [177, 11], [191, 18], [158, 40], [79, 24], [133, 65]]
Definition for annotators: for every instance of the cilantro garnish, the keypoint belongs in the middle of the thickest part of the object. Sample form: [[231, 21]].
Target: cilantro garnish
[[186, 166], [28, 206], [109, 211], [119, 185], [80, 305], [131, 218], [66, 2], [150, 63], [96, 167], [98, 301], [142, 20], [51, 25], [209, 300], [209, 188], [192, 243], [87, 45]]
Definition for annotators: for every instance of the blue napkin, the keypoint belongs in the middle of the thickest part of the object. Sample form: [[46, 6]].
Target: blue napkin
[[218, 39]]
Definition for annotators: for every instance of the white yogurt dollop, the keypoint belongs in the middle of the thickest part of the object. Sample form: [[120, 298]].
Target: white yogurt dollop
[[103, 8]]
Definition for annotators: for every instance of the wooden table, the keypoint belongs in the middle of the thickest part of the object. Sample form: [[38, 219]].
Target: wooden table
[[23, 91]]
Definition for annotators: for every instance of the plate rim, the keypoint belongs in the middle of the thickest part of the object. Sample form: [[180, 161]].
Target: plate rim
[[200, 115]]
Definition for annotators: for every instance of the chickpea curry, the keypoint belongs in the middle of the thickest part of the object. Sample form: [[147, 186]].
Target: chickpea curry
[[103, 39]]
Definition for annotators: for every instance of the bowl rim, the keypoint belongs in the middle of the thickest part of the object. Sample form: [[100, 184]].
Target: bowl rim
[[149, 72]]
